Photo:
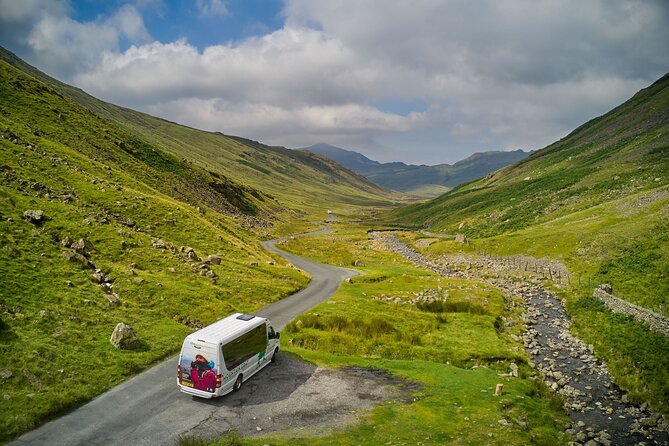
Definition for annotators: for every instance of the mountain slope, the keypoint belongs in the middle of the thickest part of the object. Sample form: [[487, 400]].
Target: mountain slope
[[422, 180], [296, 180], [620, 153]]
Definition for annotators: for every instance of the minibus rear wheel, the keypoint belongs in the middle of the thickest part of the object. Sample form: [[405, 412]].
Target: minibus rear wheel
[[238, 383], [276, 352]]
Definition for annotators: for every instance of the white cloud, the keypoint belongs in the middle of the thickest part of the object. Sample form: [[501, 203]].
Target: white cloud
[[61, 45], [211, 8], [488, 74]]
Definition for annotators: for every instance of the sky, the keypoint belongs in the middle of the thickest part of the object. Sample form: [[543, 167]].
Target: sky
[[419, 81]]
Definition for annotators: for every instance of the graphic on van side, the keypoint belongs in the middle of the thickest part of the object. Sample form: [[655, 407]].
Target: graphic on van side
[[198, 373]]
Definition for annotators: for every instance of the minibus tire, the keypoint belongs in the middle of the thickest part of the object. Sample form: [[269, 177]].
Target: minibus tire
[[276, 352], [238, 383]]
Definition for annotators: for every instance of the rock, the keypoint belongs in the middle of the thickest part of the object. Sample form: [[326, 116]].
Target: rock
[[358, 263], [253, 264], [648, 421], [461, 238], [72, 256], [113, 299], [606, 287], [6, 374], [35, 216], [190, 252], [159, 244], [514, 369], [82, 247], [124, 337], [138, 280], [99, 277], [213, 258], [66, 242]]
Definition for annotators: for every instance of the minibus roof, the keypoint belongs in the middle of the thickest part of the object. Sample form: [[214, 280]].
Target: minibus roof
[[226, 329]]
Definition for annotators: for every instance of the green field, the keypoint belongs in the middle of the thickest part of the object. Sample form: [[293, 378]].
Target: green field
[[455, 352]]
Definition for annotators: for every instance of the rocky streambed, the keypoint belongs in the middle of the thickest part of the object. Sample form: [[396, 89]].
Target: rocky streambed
[[599, 410]]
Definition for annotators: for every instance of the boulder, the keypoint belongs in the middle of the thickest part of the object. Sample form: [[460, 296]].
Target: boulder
[[159, 244], [35, 216], [124, 337]]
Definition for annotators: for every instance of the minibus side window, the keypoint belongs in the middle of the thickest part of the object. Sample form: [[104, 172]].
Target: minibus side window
[[249, 344]]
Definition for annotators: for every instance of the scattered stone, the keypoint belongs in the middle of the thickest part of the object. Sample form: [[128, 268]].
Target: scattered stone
[[159, 244], [358, 263], [6, 374], [124, 337], [35, 216]]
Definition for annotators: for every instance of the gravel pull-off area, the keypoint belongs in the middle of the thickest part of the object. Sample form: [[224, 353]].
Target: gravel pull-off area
[[296, 398], [600, 411]]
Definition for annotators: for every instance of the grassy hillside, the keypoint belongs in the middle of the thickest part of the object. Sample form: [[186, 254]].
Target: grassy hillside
[[611, 169], [598, 201], [294, 179], [133, 230]]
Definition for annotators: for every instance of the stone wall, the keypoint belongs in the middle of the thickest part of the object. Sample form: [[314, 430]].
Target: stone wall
[[653, 320]]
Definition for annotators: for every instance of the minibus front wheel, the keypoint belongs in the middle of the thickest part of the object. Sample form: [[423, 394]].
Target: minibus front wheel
[[238, 383]]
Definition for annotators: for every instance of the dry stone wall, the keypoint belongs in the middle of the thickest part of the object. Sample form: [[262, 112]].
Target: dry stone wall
[[653, 320]]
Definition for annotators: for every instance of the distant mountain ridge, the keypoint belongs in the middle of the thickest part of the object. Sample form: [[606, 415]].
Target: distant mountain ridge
[[420, 180]]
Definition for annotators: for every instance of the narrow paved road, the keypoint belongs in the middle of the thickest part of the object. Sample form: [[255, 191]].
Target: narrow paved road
[[150, 410]]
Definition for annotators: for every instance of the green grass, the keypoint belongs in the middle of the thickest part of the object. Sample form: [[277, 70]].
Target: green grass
[[455, 351], [597, 201], [455, 406]]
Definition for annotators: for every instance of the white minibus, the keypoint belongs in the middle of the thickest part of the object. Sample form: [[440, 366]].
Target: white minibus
[[217, 359]]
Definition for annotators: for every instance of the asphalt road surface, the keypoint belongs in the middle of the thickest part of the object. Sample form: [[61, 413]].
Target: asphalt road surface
[[149, 409]]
